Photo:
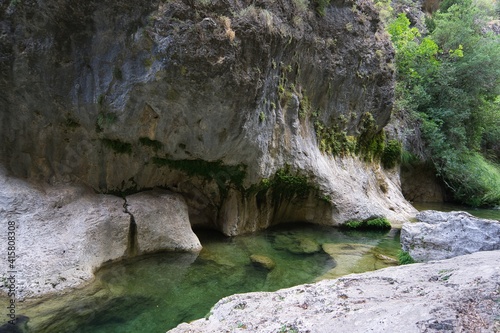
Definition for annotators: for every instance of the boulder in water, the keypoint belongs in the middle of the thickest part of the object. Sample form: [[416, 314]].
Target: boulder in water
[[262, 261]]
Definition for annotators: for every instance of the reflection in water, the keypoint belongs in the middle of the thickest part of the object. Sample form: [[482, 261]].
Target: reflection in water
[[155, 293]]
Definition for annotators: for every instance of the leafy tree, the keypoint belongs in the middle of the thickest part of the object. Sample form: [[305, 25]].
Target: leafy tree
[[450, 80]]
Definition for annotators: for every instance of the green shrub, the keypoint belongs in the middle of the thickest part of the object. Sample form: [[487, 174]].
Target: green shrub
[[407, 158], [474, 180], [262, 117], [371, 140], [379, 223], [288, 184], [283, 185], [404, 258], [72, 123], [105, 119], [301, 5], [391, 155], [334, 141], [353, 224], [450, 81]]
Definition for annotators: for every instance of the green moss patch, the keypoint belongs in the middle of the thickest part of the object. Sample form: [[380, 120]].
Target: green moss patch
[[320, 6], [72, 123], [105, 119], [283, 185], [222, 174], [117, 146], [156, 145], [374, 224], [404, 258], [371, 140]]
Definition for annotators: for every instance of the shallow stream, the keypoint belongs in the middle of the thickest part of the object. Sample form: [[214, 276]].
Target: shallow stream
[[157, 292]]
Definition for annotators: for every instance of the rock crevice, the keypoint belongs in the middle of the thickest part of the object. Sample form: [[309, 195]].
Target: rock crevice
[[132, 232]]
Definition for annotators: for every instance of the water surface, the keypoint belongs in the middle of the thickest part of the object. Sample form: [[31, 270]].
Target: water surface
[[157, 292], [492, 214]]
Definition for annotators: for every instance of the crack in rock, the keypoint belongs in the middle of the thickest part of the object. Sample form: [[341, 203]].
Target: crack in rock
[[132, 232]]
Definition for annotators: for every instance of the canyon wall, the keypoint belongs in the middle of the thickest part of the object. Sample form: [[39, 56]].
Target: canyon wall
[[220, 101]]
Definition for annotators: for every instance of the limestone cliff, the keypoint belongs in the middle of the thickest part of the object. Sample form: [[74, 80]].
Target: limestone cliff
[[215, 100]]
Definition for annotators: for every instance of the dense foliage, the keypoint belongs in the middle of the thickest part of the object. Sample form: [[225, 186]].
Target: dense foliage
[[449, 80]]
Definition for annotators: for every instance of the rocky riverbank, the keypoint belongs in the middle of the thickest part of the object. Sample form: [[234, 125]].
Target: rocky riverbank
[[461, 294]]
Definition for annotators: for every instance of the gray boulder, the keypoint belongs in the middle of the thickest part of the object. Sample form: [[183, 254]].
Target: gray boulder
[[162, 222], [442, 235], [454, 295]]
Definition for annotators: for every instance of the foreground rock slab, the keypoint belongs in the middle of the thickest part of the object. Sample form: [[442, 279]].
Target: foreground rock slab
[[442, 235], [455, 295]]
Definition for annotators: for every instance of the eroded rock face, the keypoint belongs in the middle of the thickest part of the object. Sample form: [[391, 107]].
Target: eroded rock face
[[441, 235], [454, 295], [162, 222], [206, 98], [63, 234]]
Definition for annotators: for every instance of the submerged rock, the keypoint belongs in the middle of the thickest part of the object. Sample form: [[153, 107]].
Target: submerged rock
[[296, 244], [354, 258], [20, 325], [441, 235], [455, 295], [263, 261]]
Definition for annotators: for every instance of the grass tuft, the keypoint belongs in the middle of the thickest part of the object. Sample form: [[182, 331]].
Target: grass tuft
[[404, 258]]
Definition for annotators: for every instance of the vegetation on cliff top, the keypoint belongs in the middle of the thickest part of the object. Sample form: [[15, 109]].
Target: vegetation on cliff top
[[449, 81]]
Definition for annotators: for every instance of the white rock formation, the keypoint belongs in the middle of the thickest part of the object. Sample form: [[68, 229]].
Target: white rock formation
[[441, 235], [64, 234], [455, 295], [162, 222]]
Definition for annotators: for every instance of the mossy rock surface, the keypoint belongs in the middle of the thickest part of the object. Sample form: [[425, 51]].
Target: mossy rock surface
[[296, 245]]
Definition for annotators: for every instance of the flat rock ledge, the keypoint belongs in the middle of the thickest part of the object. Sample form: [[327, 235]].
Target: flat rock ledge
[[442, 235], [455, 295]]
